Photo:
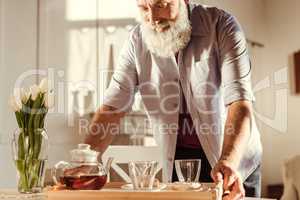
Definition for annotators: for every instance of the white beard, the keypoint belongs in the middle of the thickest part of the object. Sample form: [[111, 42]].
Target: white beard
[[172, 40]]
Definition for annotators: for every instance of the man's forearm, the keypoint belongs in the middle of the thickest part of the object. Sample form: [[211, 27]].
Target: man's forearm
[[103, 128], [237, 132]]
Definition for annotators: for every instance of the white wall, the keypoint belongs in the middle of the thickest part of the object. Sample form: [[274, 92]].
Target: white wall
[[18, 48], [68, 52], [284, 39]]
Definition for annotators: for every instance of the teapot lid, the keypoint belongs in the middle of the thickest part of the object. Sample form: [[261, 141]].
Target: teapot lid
[[84, 154]]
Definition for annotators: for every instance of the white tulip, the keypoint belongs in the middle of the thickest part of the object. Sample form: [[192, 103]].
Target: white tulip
[[21, 95], [15, 104], [24, 96], [17, 94], [34, 91], [49, 99], [43, 85]]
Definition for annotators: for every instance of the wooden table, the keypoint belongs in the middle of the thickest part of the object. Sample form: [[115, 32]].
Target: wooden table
[[44, 197], [106, 194]]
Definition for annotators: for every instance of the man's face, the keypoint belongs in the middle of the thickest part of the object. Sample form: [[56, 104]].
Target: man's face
[[158, 13], [165, 26]]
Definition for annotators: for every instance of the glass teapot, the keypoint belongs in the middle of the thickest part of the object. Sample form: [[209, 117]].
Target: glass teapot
[[84, 172]]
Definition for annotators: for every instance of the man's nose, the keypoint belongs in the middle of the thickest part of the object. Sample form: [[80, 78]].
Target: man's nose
[[153, 18]]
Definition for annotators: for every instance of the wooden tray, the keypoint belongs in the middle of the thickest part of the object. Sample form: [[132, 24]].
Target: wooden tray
[[112, 191]]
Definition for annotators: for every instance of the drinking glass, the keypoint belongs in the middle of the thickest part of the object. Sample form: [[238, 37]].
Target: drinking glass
[[142, 174], [188, 171]]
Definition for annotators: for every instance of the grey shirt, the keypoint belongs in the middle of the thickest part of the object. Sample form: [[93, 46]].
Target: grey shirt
[[214, 71]]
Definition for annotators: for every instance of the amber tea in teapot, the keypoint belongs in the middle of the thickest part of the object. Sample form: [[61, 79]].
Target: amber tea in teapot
[[84, 172], [85, 182]]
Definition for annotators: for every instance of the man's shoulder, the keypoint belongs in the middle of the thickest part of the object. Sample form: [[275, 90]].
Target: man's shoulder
[[135, 33], [205, 11], [204, 18]]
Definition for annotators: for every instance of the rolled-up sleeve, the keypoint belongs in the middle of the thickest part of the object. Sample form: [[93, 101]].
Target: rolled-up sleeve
[[234, 60], [121, 91]]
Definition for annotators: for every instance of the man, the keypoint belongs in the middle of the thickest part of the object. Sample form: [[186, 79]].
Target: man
[[191, 67]]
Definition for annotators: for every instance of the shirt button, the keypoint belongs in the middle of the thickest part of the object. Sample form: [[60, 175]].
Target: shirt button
[[176, 80], [175, 105]]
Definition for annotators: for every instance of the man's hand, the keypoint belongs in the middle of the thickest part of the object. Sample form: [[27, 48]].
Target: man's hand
[[232, 183], [100, 138], [236, 136]]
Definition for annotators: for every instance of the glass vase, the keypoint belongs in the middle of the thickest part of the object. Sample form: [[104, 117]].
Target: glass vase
[[30, 153]]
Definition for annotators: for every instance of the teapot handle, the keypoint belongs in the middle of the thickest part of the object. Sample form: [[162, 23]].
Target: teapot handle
[[108, 164], [59, 165]]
